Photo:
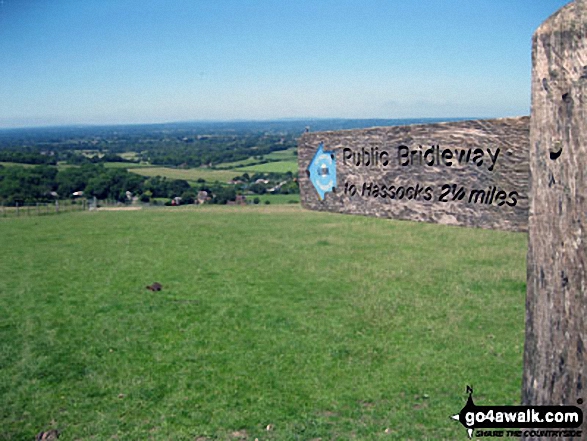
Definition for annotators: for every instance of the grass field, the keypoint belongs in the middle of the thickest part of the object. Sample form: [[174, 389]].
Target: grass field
[[237, 164], [192, 174], [127, 165], [271, 167], [320, 326], [129, 155], [60, 165], [283, 155], [16, 164], [284, 161]]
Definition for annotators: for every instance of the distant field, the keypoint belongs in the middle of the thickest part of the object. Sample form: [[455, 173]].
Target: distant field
[[320, 326], [129, 155], [16, 164], [287, 156], [283, 155], [237, 164], [271, 167], [60, 165], [192, 174], [126, 165]]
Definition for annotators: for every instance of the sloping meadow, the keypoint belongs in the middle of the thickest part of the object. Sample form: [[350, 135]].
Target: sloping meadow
[[272, 323]]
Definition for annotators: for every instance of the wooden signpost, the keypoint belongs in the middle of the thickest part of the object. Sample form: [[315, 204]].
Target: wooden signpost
[[516, 174], [470, 173], [555, 370]]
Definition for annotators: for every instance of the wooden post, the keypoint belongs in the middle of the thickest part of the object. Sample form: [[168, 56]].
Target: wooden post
[[17, 210], [555, 368]]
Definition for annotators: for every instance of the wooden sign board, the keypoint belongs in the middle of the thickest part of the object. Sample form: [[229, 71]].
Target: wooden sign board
[[470, 173]]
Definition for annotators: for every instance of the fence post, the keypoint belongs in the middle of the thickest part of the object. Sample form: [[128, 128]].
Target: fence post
[[38, 209], [17, 210], [555, 366], [56, 206]]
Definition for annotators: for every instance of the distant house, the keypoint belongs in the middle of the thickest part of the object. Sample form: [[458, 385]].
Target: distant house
[[77, 194], [262, 181], [277, 187], [241, 199], [202, 197]]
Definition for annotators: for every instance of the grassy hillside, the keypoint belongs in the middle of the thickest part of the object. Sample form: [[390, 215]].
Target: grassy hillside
[[271, 167], [192, 174], [320, 326]]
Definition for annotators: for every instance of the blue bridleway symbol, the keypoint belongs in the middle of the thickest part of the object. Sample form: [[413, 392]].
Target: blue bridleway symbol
[[322, 171]]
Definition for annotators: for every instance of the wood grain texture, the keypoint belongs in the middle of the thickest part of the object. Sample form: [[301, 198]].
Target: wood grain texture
[[509, 174], [555, 370]]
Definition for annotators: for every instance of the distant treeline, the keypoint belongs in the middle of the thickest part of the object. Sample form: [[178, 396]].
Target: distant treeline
[[77, 159], [26, 157], [43, 183], [211, 150], [180, 144], [184, 146], [169, 151]]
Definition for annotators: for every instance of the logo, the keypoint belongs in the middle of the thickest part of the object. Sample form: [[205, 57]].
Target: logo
[[322, 171], [564, 418]]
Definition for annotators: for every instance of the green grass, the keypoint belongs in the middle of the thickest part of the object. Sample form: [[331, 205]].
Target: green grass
[[283, 155], [60, 165], [271, 167], [129, 155], [16, 164], [324, 326], [192, 174], [237, 164], [287, 156], [126, 165]]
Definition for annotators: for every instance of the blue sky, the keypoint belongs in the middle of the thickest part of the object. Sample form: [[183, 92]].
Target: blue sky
[[130, 61]]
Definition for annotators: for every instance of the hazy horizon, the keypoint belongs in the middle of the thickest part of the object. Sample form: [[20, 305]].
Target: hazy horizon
[[203, 122], [127, 62]]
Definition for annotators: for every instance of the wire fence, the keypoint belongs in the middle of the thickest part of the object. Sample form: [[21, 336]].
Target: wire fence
[[43, 208], [68, 206], [22, 210]]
